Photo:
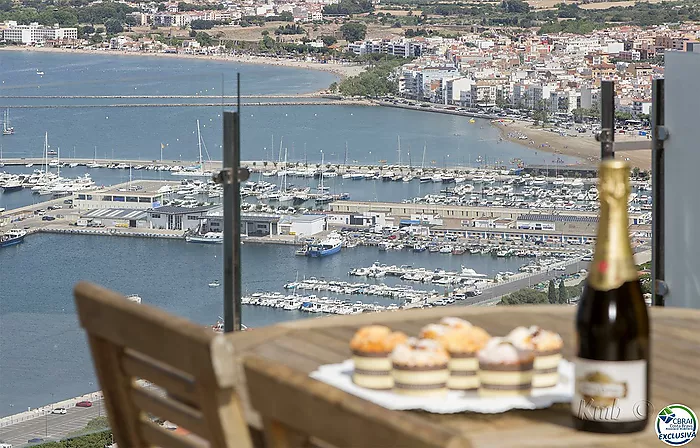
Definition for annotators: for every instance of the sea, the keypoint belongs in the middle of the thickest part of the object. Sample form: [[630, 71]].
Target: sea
[[43, 351]]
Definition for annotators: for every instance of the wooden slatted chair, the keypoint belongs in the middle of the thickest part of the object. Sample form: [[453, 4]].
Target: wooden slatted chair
[[298, 411], [192, 368]]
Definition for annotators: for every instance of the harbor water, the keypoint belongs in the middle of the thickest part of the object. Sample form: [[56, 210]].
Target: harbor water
[[43, 352], [43, 349], [137, 133]]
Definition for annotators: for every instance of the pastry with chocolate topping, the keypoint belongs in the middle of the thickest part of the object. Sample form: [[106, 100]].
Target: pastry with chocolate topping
[[505, 369], [547, 347], [462, 341], [420, 368]]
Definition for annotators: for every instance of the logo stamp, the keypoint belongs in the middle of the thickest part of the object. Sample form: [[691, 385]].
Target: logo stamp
[[676, 425]]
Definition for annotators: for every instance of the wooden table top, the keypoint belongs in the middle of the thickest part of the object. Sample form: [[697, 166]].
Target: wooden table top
[[307, 344]]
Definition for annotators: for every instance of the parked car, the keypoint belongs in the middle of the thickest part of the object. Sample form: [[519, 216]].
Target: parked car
[[84, 404], [61, 411], [35, 440], [48, 218]]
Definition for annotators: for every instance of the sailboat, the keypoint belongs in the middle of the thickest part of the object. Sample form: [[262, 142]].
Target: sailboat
[[94, 163], [199, 171], [424, 179], [285, 196], [6, 128], [1, 162], [323, 196]]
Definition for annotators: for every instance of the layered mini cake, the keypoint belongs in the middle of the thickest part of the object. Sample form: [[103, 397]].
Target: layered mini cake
[[462, 342], [505, 369], [547, 347], [420, 368], [371, 347]]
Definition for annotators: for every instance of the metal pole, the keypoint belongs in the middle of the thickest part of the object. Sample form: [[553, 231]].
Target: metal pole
[[659, 135], [606, 137], [230, 177]]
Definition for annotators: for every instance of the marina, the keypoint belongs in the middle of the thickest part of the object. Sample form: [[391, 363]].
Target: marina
[[132, 172]]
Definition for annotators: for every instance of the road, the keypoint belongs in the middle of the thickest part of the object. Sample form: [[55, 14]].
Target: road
[[51, 427], [516, 285]]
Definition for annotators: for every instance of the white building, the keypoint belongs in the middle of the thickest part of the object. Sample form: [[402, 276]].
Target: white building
[[35, 33], [454, 88], [177, 218], [142, 196], [564, 101], [302, 225]]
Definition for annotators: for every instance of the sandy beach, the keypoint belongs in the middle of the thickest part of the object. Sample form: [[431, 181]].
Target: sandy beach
[[341, 70], [584, 147]]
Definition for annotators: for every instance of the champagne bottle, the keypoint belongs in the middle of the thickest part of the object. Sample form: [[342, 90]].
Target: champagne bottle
[[612, 324]]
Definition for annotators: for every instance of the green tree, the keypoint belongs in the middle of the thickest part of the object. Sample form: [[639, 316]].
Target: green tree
[[328, 40], [515, 6], [333, 87], [563, 299], [623, 115], [204, 39], [551, 293], [113, 26], [353, 31], [525, 296]]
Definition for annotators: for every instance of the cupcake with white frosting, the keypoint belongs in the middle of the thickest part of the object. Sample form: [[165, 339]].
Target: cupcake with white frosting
[[420, 368], [462, 341], [505, 369], [371, 347], [547, 346]]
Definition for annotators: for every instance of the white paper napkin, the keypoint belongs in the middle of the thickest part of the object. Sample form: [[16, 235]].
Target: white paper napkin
[[340, 376]]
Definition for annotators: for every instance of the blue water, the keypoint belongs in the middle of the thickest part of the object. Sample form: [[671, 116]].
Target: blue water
[[43, 354], [42, 348], [137, 133]]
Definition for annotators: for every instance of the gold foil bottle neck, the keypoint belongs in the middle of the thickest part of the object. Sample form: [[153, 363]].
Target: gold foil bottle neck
[[613, 262]]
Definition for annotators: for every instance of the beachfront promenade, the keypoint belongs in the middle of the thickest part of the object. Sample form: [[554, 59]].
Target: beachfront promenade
[[17, 429]]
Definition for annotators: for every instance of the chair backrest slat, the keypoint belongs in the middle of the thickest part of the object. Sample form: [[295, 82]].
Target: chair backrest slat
[[170, 339], [159, 436], [193, 371], [176, 383], [287, 398], [168, 409]]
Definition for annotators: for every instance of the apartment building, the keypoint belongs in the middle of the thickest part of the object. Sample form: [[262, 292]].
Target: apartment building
[[35, 33]]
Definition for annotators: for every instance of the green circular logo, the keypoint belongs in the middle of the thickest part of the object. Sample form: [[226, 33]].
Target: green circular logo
[[676, 425]]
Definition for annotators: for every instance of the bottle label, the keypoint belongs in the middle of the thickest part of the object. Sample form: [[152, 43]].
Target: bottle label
[[610, 391]]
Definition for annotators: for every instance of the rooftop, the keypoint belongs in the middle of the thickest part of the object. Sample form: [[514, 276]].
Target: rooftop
[[115, 213], [557, 218], [172, 210], [140, 187]]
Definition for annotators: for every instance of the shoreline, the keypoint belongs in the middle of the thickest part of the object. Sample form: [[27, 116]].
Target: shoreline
[[585, 147], [342, 71]]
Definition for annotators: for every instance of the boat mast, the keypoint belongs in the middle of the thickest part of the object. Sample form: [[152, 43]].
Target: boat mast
[[345, 163], [398, 137], [284, 173], [422, 165], [58, 155], [320, 185], [46, 153], [199, 143]]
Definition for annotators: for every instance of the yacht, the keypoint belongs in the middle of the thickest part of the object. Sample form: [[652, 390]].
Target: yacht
[[12, 185], [12, 237], [207, 238], [425, 179], [133, 298], [539, 180], [214, 284], [328, 246]]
